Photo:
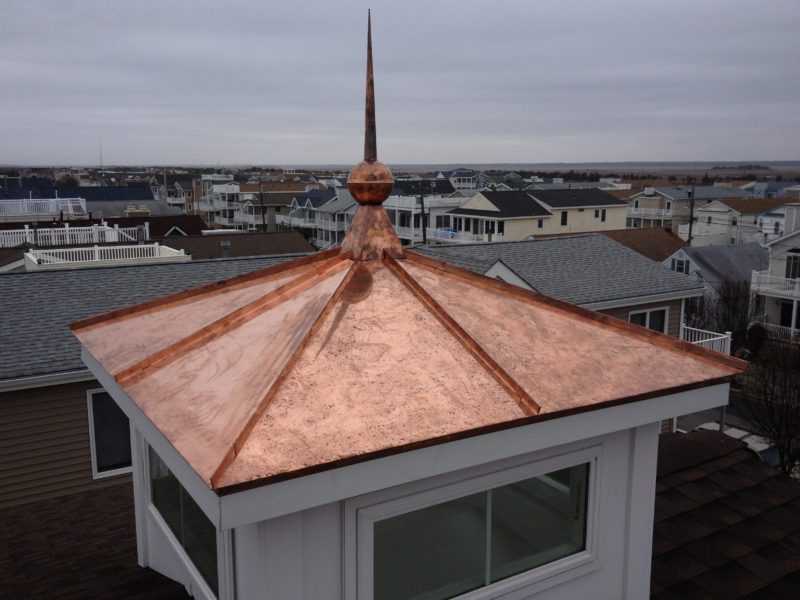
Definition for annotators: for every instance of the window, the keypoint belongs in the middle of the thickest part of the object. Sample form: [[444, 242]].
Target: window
[[580, 210], [734, 220], [792, 265], [655, 319], [540, 224], [669, 205], [597, 212], [109, 436], [501, 227], [681, 266], [195, 533], [708, 219], [635, 205], [563, 217], [603, 215], [501, 532]]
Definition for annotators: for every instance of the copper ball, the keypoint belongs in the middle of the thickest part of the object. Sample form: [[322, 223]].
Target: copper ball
[[370, 182]]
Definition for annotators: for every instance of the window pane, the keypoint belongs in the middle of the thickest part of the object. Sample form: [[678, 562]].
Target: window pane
[[638, 319], [433, 553], [200, 540], [538, 520], [165, 494], [658, 319], [112, 434]]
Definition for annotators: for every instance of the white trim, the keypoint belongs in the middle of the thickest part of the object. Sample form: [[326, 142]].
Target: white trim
[[35, 381], [90, 410], [647, 311], [293, 495], [361, 513], [666, 297]]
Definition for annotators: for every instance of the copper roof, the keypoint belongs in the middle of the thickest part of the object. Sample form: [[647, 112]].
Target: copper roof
[[366, 350]]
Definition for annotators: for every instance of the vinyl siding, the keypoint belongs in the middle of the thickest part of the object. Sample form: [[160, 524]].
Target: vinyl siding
[[44, 444], [673, 316]]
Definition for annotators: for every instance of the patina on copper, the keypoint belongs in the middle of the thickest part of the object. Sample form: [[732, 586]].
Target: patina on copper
[[371, 234]]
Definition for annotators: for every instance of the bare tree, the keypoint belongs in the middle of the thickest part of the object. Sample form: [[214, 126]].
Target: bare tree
[[773, 382], [728, 308]]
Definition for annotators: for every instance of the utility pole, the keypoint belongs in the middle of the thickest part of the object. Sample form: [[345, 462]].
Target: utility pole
[[691, 213], [261, 197], [424, 221]]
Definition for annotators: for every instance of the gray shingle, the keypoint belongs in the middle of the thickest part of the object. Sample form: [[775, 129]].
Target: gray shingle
[[581, 269], [37, 308]]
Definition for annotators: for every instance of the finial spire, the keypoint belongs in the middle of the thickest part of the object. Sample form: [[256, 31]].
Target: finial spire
[[371, 233], [370, 141]]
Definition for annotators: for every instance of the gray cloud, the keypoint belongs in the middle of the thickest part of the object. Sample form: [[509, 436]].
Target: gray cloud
[[513, 81]]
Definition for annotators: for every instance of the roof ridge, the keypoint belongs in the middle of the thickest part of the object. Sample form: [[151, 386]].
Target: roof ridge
[[291, 361], [226, 323], [514, 389]]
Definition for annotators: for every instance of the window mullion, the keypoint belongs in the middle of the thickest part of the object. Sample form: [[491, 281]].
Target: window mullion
[[488, 577]]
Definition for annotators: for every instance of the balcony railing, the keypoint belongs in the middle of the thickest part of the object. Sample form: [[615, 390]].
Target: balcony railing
[[780, 333], [69, 236], [71, 258], [462, 237], [719, 342], [331, 225], [764, 283], [409, 233], [35, 209], [650, 213]]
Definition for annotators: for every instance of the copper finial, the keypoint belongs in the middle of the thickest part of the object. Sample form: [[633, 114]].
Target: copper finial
[[370, 181]]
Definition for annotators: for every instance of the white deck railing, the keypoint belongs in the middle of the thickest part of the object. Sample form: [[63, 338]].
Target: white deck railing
[[22, 209], [650, 213], [779, 332], [409, 233], [764, 283], [69, 236], [719, 342], [331, 224], [462, 237], [74, 257]]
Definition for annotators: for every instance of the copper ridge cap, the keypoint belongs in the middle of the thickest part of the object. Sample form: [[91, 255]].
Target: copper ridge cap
[[371, 234]]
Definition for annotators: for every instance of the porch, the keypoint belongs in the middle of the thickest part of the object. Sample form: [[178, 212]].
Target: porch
[[711, 340], [452, 235], [762, 282], [69, 236], [100, 256]]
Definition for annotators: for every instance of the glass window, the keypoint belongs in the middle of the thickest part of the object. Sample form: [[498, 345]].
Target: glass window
[[453, 547], [540, 224], [655, 319], [603, 215], [110, 436], [564, 217], [196, 534]]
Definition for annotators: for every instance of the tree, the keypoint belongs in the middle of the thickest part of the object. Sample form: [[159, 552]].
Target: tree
[[66, 180], [773, 382], [728, 308]]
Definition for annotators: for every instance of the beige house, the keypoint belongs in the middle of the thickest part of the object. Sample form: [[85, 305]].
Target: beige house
[[516, 215], [670, 207]]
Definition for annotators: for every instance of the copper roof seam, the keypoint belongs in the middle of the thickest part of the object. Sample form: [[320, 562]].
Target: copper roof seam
[[258, 412], [204, 290], [606, 321], [514, 389], [234, 319]]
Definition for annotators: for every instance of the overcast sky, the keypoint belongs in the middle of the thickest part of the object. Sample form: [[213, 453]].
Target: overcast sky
[[456, 82]]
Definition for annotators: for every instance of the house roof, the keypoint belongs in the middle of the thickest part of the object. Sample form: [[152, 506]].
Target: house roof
[[260, 351], [752, 205], [656, 243], [727, 525], [581, 269], [342, 202], [702, 192], [509, 204], [37, 341], [576, 198], [413, 187], [729, 262], [239, 244], [129, 193], [316, 197]]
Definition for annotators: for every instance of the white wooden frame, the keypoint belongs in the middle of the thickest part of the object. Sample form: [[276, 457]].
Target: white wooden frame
[[647, 312], [362, 512], [90, 411]]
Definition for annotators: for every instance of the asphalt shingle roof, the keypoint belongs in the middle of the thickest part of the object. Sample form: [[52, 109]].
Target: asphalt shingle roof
[[730, 262], [727, 525], [37, 308], [509, 204], [582, 269], [571, 198]]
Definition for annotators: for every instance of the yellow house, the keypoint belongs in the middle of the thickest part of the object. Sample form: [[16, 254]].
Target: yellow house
[[516, 215]]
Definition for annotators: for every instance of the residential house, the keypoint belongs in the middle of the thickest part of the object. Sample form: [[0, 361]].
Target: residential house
[[303, 207], [656, 243], [769, 189], [591, 271], [543, 434], [332, 219], [671, 206], [464, 179], [416, 207], [516, 215], [778, 287], [736, 220]]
